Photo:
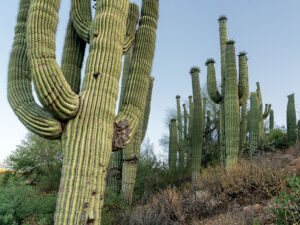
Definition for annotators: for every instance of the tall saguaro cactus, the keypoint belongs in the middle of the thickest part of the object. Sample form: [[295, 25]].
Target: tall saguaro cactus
[[85, 122], [230, 100], [180, 136], [262, 115], [291, 120], [197, 124], [190, 128], [173, 144]]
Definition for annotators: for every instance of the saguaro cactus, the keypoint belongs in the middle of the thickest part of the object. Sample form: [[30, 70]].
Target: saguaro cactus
[[86, 122], [253, 123], [180, 136], [197, 123], [190, 128], [173, 144], [132, 152], [262, 115], [291, 120], [271, 120], [243, 84], [230, 100]]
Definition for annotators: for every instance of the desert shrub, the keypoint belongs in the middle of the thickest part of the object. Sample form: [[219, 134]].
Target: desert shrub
[[287, 210], [248, 183], [278, 138], [21, 204]]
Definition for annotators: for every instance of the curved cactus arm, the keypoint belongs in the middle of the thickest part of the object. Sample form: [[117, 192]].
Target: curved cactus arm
[[212, 89], [72, 58], [232, 110], [243, 78], [82, 17], [136, 91], [50, 84], [132, 20], [147, 108], [267, 111], [19, 89]]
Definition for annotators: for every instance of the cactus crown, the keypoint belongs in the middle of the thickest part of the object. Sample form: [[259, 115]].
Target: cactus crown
[[209, 61], [195, 69], [173, 119], [222, 18], [190, 97], [177, 96], [230, 42], [242, 53], [258, 85]]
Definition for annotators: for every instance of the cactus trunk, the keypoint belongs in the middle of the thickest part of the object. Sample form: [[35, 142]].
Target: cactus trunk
[[180, 138], [291, 120], [253, 123], [271, 120], [197, 123]]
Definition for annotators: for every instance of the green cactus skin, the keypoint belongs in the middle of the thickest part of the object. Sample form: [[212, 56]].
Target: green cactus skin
[[19, 89], [173, 144], [291, 120], [271, 120], [197, 123], [132, 152], [253, 123], [298, 130], [231, 102], [114, 176], [180, 138], [89, 131], [190, 128], [262, 115], [208, 122], [243, 96], [185, 123], [204, 102]]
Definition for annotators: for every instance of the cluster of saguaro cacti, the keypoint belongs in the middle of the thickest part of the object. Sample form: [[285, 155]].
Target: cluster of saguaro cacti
[[233, 93], [291, 120], [84, 120]]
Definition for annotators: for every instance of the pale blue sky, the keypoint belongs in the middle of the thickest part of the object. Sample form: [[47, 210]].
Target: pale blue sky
[[187, 35]]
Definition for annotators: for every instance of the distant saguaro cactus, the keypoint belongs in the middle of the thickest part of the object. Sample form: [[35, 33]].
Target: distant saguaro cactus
[[173, 144], [253, 123], [84, 119], [291, 120], [262, 115], [271, 120], [180, 135], [197, 126]]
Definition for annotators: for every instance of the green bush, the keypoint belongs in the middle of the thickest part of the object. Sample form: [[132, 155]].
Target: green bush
[[278, 138], [288, 206], [21, 204]]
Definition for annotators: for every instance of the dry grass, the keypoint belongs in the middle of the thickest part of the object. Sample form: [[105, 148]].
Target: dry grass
[[220, 199]]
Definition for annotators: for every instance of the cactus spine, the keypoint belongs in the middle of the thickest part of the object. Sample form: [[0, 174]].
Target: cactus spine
[[173, 144], [253, 123], [291, 120], [197, 124], [132, 152], [180, 138], [262, 115], [85, 122], [271, 120]]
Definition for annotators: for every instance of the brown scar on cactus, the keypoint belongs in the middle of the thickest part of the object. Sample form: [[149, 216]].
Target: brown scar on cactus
[[121, 134]]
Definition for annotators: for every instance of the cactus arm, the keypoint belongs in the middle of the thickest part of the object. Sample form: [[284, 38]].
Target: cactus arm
[[19, 89], [132, 20], [147, 108], [243, 78], [179, 120], [197, 130], [72, 58], [138, 79], [266, 112], [190, 128], [231, 102], [50, 84], [82, 18], [212, 89], [172, 144]]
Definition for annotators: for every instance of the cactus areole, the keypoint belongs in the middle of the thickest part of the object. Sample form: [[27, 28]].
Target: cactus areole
[[85, 121]]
